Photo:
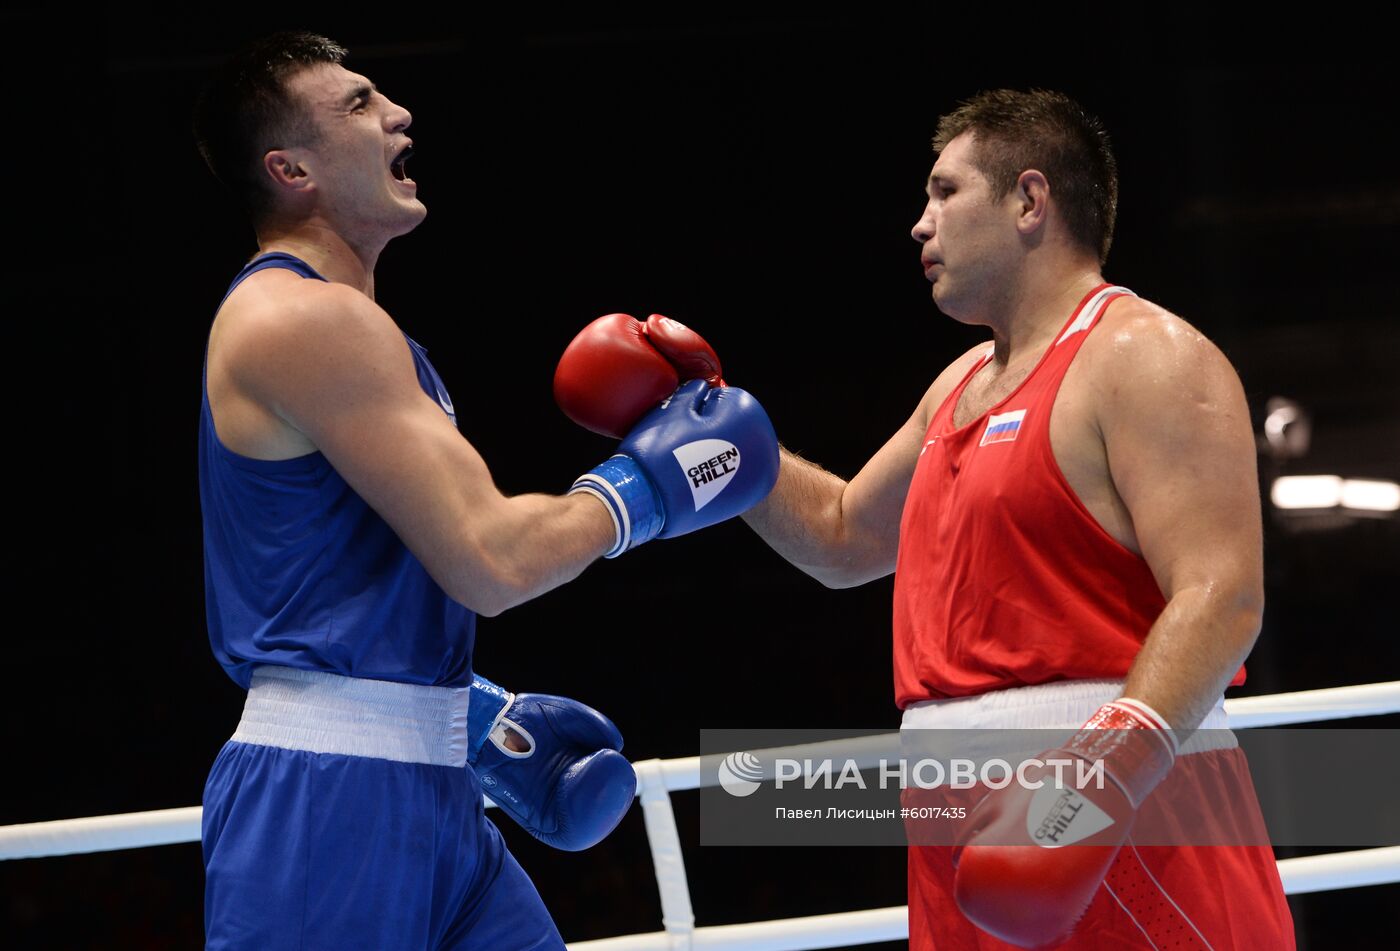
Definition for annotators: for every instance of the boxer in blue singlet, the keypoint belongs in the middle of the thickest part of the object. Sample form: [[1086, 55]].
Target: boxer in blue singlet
[[297, 865], [352, 535]]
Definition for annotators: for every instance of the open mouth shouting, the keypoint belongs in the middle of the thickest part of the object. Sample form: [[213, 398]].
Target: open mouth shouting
[[398, 164]]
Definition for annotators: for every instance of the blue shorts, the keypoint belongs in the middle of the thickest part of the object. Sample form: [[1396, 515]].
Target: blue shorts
[[306, 851]]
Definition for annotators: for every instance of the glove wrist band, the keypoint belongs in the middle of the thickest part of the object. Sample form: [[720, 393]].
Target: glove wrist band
[[630, 499], [487, 703], [1134, 743]]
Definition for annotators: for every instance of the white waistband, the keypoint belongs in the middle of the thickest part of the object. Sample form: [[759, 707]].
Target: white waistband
[[1064, 705], [321, 712]]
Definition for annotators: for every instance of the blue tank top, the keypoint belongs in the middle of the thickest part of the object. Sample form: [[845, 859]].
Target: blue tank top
[[300, 572]]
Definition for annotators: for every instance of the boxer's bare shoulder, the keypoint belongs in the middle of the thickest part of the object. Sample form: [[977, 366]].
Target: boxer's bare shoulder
[[262, 343], [1145, 388], [1136, 336], [1145, 357]]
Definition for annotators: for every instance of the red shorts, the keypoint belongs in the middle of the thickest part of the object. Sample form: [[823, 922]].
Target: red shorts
[[1154, 896]]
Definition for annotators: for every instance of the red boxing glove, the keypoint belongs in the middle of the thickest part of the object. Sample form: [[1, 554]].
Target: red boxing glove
[[1033, 858], [617, 369], [693, 358]]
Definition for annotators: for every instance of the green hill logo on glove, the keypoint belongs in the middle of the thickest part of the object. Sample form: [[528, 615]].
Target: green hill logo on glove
[[710, 464], [1060, 816]]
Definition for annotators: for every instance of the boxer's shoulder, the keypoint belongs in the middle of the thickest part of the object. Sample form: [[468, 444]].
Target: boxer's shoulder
[[1136, 330], [277, 321], [1141, 346], [281, 346], [277, 298]]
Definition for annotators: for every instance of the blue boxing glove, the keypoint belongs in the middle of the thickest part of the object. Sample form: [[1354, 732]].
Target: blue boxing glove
[[701, 457], [571, 786]]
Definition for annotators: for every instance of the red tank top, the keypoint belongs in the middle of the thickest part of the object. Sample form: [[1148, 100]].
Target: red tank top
[[1004, 579]]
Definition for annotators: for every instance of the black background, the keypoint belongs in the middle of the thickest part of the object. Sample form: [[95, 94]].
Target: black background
[[755, 175]]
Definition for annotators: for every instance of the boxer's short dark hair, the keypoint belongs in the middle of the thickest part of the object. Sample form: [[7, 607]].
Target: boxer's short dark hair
[[246, 112], [1048, 131]]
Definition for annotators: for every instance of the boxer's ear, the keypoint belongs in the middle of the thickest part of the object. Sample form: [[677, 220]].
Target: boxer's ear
[[1032, 197], [287, 169]]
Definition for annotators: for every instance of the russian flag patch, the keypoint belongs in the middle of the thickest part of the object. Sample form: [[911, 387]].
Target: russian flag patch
[[1003, 427]]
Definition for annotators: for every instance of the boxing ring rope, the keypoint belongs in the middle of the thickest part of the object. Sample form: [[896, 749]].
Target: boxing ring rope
[[657, 779]]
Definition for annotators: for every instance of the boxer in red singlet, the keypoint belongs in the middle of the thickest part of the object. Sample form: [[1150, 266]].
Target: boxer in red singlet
[[1073, 520]]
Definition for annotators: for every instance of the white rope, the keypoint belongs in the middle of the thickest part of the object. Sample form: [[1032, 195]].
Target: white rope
[[1301, 875], [677, 917], [132, 830], [1322, 873], [656, 779], [1310, 706], [790, 934], [1304, 706], [170, 826]]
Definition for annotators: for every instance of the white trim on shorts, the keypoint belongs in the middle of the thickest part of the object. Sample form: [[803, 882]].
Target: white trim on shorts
[[1064, 705], [321, 712]]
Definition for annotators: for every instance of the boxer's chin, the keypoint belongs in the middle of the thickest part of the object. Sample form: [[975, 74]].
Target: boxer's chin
[[414, 213], [944, 300]]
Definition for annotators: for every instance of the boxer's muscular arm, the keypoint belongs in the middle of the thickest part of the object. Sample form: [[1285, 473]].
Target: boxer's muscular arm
[[847, 533], [331, 364], [1181, 455], [841, 533]]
